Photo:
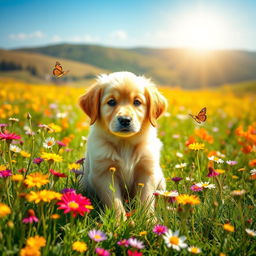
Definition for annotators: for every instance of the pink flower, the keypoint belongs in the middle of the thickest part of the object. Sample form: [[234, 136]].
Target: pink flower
[[61, 144], [212, 172], [102, 252], [97, 235], [58, 174], [75, 203], [160, 229], [196, 188], [31, 217], [9, 136], [134, 253], [5, 173], [123, 242], [135, 243]]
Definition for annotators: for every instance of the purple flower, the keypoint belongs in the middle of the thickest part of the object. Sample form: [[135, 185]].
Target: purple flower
[[102, 252], [212, 172], [97, 235], [3, 125], [135, 243], [160, 229], [123, 242], [80, 161], [176, 179], [196, 188], [5, 173], [230, 162], [77, 172], [38, 160], [66, 190]]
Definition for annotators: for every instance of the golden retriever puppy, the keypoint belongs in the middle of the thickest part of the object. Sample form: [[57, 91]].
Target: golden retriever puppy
[[123, 109]]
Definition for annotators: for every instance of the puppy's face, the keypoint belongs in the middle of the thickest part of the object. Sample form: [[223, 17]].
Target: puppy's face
[[123, 103], [123, 108]]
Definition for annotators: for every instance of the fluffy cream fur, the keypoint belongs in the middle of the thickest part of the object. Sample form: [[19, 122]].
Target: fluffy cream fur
[[134, 153]]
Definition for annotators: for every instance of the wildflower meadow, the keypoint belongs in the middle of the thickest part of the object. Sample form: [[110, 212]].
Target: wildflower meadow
[[208, 208]]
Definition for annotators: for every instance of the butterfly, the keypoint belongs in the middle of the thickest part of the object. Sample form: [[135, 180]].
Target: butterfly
[[58, 71], [201, 116]]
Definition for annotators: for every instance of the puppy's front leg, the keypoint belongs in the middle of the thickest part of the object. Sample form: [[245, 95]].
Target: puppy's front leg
[[110, 198]]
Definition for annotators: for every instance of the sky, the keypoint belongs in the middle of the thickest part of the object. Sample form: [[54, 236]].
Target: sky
[[215, 24]]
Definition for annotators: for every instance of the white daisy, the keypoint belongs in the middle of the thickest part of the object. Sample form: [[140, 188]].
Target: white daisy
[[165, 193], [194, 250], [205, 185], [178, 154], [49, 142], [250, 232], [15, 149], [180, 166], [173, 240], [253, 171]]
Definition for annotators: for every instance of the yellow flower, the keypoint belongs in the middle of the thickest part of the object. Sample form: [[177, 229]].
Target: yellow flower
[[30, 251], [55, 216], [43, 196], [112, 169], [196, 146], [79, 246], [74, 166], [2, 167], [143, 233], [55, 128], [36, 242], [238, 192], [17, 177], [25, 154], [220, 171], [4, 210], [51, 157], [36, 179], [141, 185], [235, 177], [228, 227], [188, 199]]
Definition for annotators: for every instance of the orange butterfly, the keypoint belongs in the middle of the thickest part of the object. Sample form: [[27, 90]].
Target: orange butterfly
[[58, 71], [201, 116]]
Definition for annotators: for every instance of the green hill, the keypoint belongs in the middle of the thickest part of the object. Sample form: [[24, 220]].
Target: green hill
[[35, 66], [166, 66]]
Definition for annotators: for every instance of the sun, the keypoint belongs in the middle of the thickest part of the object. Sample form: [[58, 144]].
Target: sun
[[201, 31]]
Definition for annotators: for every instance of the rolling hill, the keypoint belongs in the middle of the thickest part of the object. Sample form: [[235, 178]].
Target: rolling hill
[[39, 67], [166, 66]]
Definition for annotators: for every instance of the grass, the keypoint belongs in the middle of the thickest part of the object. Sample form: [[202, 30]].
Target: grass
[[228, 134]]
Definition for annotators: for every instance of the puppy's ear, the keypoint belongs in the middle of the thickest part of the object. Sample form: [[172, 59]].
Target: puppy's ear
[[157, 104], [90, 102]]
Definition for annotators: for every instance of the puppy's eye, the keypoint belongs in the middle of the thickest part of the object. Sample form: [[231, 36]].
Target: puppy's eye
[[111, 102], [137, 103]]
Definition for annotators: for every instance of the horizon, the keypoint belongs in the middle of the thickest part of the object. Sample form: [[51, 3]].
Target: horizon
[[127, 47], [198, 25]]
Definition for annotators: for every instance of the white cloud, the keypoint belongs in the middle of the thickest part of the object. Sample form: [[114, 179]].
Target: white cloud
[[23, 36], [119, 34]]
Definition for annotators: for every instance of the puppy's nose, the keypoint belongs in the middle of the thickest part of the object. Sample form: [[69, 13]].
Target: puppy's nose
[[124, 120]]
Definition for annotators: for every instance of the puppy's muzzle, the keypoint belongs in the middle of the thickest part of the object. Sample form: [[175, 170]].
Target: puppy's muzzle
[[124, 123]]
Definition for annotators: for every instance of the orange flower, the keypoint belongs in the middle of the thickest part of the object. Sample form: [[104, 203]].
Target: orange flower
[[203, 134], [190, 140], [252, 163]]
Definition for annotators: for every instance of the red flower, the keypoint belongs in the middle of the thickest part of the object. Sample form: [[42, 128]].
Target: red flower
[[134, 253], [75, 203], [58, 174], [9, 136]]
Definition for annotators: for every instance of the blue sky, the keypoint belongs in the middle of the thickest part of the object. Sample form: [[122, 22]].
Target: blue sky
[[223, 24]]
